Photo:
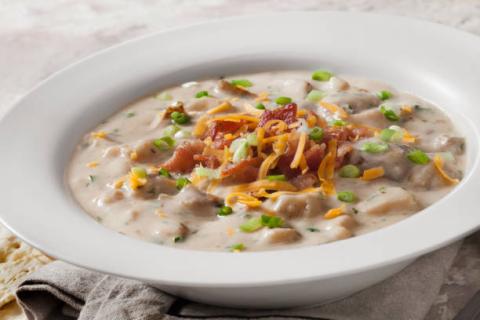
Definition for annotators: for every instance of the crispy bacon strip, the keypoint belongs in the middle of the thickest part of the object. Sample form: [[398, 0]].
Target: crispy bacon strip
[[182, 160], [287, 113], [242, 172], [208, 161]]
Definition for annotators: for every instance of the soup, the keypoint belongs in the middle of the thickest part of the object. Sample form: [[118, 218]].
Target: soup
[[265, 161]]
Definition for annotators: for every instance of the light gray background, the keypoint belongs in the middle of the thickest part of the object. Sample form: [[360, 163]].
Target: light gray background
[[37, 37]]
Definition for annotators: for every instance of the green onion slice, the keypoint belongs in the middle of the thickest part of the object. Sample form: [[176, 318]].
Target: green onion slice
[[201, 94], [237, 247], [346, 196], [207, 173], [384, 95], [315, 96], [225, 211], [389, 113], [283, 100], [316, 134], [251, 225], [164, 173], [242, 82], [349, 171], [278, 177], [164, 143], [374, 147], [260, 106], [321, 75], [181, 183], [271, 221], [418, 157], [179, 117]]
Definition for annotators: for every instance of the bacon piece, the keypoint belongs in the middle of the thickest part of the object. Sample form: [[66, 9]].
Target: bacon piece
[[182, 160], [244, 171], [342, 152], [208, 161], [218, 128], [314, 156], [287, 113], [304, 181]]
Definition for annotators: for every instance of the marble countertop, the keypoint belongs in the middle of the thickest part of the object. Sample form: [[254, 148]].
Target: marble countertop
[[40, 37]]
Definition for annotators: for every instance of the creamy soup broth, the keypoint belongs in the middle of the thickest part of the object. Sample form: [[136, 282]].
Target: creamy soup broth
[[265, 161]]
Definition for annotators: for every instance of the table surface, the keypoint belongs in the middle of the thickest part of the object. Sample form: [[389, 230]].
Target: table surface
[[39, 37]]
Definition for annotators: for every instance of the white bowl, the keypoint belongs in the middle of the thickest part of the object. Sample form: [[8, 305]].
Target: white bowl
[[38, 136]]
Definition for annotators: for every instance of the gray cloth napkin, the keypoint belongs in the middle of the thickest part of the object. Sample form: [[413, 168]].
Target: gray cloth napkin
[[65, 292]]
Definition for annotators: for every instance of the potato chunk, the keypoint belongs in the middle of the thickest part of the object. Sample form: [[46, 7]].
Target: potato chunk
[[280, 235], [389, 200], [292, 206]]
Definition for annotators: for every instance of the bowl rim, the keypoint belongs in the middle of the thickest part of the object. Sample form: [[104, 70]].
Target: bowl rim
[[383, 246]]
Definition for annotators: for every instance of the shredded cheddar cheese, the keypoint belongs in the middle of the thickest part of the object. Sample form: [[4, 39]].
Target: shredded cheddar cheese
[[311, 120], [373, 173], [230, 231], [235, 118], [135, 181], [99, 135], [333, 108], [334, 212], [438, 163], [275, 125], [299, 153], [266, 165], [201, 126], [242, 198], [92, 164], [265, 184], [224, 106]]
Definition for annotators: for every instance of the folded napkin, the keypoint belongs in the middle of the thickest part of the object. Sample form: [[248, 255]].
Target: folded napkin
[[65, 292]]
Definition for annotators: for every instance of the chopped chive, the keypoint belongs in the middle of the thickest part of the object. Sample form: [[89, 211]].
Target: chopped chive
[[164, 143], [251, 225], [181, 183], [225, 211], [237, 247], [389, 113], [321, 75], [278, 177], [201, 94], [271, 221], [384, 95], [389, 135], [164, 172], [260, 106], [418, 157], [92, 178], [312, 229], [346, 196], [349, 171], [315, 96], [373, 147], [283, 100], [242, 82], [139, 172], [171, 130], [338, 123], [316, 134], [179, 117], [178, 239], [130, 114]]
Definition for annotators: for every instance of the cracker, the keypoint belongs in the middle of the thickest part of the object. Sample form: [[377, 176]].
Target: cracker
[[17, 260]]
